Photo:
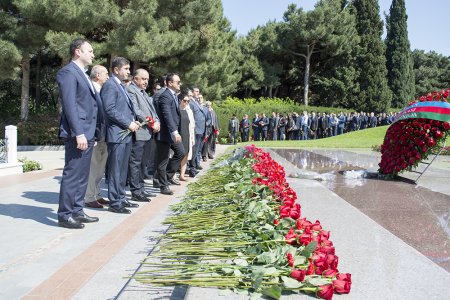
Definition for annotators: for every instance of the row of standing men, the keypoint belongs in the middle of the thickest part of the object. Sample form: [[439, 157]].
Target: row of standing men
[[108, 124], [303, 127]]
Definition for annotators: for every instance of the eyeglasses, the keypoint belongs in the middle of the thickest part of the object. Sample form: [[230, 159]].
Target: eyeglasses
[[186, 100]]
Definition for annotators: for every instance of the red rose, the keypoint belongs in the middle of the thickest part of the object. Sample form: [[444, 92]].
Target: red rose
[[431, 142], [341, 286], [298, 274], [438, 134], [344, 276], [325, 292]]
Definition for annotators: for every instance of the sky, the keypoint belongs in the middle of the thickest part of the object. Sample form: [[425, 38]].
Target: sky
[[428, 20]]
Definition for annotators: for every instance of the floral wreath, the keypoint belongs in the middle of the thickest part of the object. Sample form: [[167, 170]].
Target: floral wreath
[[417, 130]]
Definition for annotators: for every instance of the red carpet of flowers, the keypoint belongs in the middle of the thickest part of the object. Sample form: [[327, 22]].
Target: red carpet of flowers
[[409, 141], [323, 260]]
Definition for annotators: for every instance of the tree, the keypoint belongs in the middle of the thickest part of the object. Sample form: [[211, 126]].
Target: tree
[[326, 29], [31, 20], [252, 74], [374, 92], [432, 72], [399, 60]]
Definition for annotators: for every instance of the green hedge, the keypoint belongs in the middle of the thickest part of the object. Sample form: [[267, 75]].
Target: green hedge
[[39, 130]]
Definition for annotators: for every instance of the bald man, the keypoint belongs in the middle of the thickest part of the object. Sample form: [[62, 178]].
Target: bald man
[[143, 106]]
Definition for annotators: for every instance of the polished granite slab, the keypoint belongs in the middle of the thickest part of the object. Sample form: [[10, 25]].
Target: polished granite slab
[[416, 214]]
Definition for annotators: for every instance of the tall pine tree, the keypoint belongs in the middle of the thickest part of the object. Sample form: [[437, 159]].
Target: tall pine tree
[[374, 92], [399, 60]]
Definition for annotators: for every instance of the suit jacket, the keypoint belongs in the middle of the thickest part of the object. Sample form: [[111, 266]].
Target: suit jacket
[[119, 111], [199, 116], [143, 106], [168, 111], [79, 103]]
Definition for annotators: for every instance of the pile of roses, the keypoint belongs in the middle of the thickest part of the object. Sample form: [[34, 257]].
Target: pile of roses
[[239, 227], [415, 134], [323, 260]]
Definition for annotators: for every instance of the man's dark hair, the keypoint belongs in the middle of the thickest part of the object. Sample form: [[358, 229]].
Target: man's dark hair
[[119, 62], [162, 80], [76, 44], [170, 76]]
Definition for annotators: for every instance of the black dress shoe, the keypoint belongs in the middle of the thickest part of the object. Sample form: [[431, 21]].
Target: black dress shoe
[[140, 198], [121, 210], [147, 194], [93, 204], [173, 181], [84, 218], [192, 173], [127, 203], [71, 223], [166, 191], [156, 184], [199, 167]]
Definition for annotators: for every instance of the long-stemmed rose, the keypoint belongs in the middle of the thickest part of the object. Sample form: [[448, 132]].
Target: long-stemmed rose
[[240, 227]]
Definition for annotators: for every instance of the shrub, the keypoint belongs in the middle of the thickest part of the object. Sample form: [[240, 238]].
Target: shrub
[[30, 165]]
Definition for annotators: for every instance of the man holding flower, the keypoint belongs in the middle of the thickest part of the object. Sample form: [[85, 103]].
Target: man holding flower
[[143, 106], [119, 115]]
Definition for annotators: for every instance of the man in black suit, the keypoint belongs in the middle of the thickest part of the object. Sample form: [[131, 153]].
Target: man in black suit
[[143, 106], [77, 129], [120, 116], [168, 111]]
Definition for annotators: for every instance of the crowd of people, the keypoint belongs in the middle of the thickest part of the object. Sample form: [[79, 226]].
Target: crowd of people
[[308, 125], [112, 127]]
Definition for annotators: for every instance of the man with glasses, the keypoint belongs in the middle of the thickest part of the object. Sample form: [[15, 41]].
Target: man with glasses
[[168, 111]]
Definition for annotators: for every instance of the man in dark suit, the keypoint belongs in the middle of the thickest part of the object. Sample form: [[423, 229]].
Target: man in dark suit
[[168, 111], [77, 129], [244, 127], [120, 116], [143, 106]]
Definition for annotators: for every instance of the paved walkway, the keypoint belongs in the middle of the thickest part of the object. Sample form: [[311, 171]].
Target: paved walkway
[[39, 260]]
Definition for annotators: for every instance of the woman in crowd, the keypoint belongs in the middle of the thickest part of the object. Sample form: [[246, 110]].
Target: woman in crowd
[[186, 131]]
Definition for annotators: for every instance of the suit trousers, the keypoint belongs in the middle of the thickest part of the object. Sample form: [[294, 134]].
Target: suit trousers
[[196, 151], [135, 174], [96, 171], [118, 157], [175, 162], [74, 180], [161, 161], [149, 157]]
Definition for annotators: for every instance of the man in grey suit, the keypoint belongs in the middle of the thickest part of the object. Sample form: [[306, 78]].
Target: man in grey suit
[[143, 106], [120, 116], [200, 128], [79, 103]]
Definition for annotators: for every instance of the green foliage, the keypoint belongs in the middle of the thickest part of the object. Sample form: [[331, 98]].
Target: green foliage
[[9, 59], [327, 32], [432, 72], [398, 56], [39, 130], [30, 165], [374, 94]]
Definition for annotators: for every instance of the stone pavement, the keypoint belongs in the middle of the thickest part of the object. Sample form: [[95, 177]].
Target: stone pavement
[[39, 260]]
